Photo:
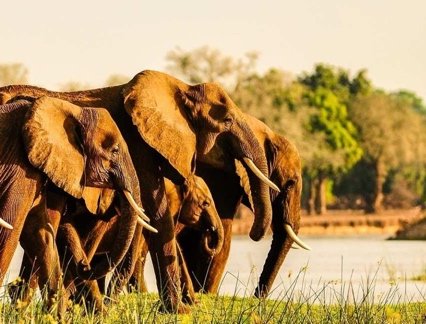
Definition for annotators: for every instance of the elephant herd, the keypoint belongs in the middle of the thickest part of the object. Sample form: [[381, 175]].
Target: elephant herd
[[92, 181]]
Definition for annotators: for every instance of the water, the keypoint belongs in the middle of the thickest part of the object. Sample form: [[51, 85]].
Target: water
[[336, 265]]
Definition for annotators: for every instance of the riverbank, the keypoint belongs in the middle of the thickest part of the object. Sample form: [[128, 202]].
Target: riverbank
[[343, 222]]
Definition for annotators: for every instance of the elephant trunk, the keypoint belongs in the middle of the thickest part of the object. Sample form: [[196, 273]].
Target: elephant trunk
[[126, 229], [286, 211], [250, 149], [213, 237], [125, 181]]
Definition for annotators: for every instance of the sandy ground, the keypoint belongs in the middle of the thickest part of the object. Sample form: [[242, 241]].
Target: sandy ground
[[342, 222]]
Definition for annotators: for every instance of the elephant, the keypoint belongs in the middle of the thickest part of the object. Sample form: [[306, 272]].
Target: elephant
[[167, 122], [51, 152], [192, 206], [285, 171]]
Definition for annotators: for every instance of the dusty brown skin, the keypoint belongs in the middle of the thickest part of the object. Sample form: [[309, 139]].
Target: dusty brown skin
[[173, 122], [191, 206], [285, 171], [54, 151]]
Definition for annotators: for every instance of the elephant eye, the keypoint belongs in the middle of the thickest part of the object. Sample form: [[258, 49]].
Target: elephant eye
[[228, 121], [115, 150], [205, 204]]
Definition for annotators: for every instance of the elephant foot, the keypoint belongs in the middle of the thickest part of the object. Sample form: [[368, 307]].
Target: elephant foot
[[89, 295], [189, 298]]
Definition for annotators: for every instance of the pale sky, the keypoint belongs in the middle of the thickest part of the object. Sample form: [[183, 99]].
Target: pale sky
[[88, 40]]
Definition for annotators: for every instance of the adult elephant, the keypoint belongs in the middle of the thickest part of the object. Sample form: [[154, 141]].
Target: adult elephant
[[51, 147], [284, 169], [166, 122]]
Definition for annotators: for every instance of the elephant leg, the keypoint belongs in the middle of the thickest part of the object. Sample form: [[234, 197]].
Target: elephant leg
[[162, 246], [38, 241], [138, 279], [72, 252], [15, 212], [125, 269], [188, 292]]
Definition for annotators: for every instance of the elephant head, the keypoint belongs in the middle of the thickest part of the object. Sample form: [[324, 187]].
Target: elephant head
[[198, 211], [179, 120], [79, 148], [286, 172]]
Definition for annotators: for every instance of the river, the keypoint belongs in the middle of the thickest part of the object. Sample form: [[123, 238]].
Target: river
[[336, 266]]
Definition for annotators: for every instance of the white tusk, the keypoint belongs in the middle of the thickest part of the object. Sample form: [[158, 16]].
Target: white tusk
[[146, 225], [5, 224], [296, 240], [259, 174], [135, 206]]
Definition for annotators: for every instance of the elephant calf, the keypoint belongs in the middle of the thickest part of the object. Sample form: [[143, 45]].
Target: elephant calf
[[192, 206]]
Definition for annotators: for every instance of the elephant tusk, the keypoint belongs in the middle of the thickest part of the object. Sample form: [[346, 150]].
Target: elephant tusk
[[135, 206], [259, 174], [146, 225], [296, 240], [5, 224]]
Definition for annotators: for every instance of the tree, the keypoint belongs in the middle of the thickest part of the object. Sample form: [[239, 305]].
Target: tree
[[205, 64], [391, 135], [411, 99], [328, 90], [15, 73]]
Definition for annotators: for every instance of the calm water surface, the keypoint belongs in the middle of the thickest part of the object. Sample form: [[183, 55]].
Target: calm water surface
[[336, 266]]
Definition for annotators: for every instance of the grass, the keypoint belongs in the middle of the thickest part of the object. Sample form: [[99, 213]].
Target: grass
[[331, 302]]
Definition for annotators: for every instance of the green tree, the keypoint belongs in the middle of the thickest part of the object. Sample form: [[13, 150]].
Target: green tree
[[328, 90], [411, 99], [15, 73]]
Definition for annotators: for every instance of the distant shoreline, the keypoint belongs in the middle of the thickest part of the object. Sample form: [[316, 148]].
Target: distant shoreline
[[342, 222]]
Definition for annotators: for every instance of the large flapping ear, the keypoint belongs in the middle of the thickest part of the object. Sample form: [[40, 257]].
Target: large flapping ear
[[155, 101], [51, 137], [97, 200]]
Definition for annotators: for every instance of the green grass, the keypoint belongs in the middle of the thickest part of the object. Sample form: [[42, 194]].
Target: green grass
[[333, 303]]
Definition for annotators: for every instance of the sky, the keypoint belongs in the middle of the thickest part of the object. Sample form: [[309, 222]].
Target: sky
[[88, 40]]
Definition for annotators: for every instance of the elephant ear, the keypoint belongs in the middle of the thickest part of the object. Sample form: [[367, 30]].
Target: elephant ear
[[97, 200], [51, 137], [91, 197], [160, 109]]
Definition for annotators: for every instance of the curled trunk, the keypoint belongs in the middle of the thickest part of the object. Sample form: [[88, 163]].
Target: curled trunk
[[213, 237]]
